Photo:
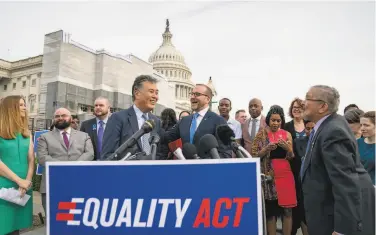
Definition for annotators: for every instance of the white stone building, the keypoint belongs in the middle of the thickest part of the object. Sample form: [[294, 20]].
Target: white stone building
[[71, 75], [170, 62]]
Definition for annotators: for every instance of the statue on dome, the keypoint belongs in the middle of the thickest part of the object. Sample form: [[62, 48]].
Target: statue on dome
[[167, 24]]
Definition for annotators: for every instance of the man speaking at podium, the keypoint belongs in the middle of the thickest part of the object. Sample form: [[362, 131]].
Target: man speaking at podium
[[123, 124], [203, 121]]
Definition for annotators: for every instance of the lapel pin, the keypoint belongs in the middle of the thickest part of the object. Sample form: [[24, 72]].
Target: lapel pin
[[94, 127]]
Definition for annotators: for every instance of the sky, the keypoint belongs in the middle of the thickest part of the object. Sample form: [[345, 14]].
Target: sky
[[271, 50]]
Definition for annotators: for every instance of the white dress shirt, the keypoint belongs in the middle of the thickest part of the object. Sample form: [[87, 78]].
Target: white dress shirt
[[201, 115], [236, 127], [257, 125], [68, 131]]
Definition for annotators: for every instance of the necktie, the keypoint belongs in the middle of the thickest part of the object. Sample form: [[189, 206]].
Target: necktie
[[253, 131], [65, 138], [100, 137], [145, 139], [307, 149], [193, 128]]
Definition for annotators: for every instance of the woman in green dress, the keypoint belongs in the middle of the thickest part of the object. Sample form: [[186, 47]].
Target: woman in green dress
[[16, 164]]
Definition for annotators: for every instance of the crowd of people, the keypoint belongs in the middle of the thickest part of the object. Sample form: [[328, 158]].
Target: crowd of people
[[322, 164]]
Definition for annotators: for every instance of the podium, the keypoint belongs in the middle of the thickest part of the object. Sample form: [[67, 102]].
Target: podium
[[211, 197]]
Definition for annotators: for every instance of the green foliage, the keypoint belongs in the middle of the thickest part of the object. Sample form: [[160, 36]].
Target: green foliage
[[37, 179]]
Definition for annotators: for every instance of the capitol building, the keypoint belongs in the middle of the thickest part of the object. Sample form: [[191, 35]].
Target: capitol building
[[72, 75]]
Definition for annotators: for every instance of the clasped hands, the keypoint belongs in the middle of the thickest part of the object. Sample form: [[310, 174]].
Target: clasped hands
[[24, 186]]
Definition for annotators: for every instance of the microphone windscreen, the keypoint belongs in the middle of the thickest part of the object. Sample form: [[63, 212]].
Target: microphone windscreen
[[189, 150], [148, 125], [207, 142], [225, 134]]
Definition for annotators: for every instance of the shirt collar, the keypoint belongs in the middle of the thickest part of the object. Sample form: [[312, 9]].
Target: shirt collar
[[68, 131], [318, 124], [258, 118], [139, 113], [104, 121], [203, 112]]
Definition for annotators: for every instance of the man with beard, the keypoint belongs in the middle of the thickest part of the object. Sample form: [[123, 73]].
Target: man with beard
[[95, 127], [253, 125], [62, 144], [191, 128], [224, 109], [123, 124]]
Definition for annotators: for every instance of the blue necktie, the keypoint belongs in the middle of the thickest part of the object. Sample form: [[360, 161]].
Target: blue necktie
[[193, 128], [307, 149], [100, 137]]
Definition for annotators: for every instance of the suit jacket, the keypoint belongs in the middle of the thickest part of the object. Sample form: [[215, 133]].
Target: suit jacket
[[338, 193], [51, 148], [88, 127], [207, 125], [246, 135], [120, 127]]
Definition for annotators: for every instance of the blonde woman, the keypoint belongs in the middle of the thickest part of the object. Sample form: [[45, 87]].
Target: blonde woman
[[16, 164]]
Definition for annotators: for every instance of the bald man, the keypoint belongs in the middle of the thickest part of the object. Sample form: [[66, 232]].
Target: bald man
[[253, 124], [63, 143]]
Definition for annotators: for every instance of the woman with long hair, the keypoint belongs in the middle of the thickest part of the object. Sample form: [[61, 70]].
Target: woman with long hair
[[168, 118], [16, 164], [274, 146]]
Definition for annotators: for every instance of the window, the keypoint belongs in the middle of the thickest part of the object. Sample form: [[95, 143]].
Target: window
[[33, 82], [23, 84], [5, 87], [14, 85]]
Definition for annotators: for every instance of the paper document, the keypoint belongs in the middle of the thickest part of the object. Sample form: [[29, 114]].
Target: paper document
[[14, 196]]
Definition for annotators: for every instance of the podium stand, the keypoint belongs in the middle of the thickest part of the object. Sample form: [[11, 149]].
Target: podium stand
[[211, 197]]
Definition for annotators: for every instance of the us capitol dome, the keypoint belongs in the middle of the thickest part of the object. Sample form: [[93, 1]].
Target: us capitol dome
[[170, 62]]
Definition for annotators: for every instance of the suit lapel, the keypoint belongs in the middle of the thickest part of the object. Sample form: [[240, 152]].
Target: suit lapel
[[202, 123], [248, 136], [72, 136], [186, 125], [60, 138], [308, 157], [94, 135], [132, 118]]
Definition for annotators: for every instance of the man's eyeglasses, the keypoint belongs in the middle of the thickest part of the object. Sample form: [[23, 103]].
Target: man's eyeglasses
[[196, 94], [315, 100], [61, 116]]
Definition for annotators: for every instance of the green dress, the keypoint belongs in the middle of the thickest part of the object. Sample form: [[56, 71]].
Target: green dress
[[13, 153]]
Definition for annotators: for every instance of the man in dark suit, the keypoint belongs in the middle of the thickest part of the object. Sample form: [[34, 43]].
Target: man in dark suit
[[339, 197], [95, 127], [123, 124], [191, 128]]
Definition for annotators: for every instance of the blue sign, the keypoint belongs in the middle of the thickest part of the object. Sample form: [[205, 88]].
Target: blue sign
[[37, 134], [203, 197]]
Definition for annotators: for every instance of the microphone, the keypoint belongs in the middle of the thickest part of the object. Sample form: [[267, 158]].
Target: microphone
[[179, 154], [227, 136], [153, 140], [190, 151], [145, 128], [208, 145]]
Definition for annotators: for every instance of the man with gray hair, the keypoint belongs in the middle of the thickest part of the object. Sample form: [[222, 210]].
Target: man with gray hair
[[123, 124], [338, 194]]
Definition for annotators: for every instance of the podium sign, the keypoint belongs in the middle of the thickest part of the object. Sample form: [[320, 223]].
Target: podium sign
[[211, 197]]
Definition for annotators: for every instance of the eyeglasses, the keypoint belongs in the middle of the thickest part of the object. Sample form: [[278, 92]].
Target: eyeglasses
[[61, 116], [197, 94], [315, 100]]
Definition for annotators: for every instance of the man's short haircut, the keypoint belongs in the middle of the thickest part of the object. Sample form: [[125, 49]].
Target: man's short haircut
[[138, 83]]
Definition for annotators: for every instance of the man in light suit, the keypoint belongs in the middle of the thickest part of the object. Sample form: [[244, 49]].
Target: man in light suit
[[123, 124], [252, 125], [339, 197], [63, 143]]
